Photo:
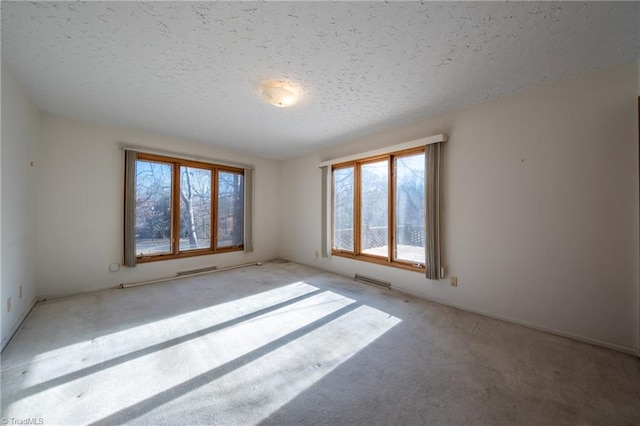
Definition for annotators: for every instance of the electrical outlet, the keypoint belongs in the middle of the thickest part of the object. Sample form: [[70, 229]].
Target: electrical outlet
[[20, 292], [317, 254], [453, 281], [8, 305], [114, 267]]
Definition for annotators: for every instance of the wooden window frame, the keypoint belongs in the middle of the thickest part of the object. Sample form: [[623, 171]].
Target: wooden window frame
[[356, 254], [176, 253]]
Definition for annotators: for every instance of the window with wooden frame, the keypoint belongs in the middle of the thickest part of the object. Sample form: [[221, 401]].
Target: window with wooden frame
[[186, 208], [378, 210]]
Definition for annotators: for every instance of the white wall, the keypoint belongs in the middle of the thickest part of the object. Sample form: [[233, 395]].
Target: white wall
[[21, 130], [540, 215], [80, 209]]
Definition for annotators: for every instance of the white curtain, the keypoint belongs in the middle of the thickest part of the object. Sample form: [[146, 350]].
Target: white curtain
[[130, 208], [432, 210]]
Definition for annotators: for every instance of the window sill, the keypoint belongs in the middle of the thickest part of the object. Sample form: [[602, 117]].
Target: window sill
[[169, 256], [380, 261]]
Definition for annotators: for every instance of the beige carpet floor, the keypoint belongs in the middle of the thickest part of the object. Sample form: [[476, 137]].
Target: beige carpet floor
[[285, 344]]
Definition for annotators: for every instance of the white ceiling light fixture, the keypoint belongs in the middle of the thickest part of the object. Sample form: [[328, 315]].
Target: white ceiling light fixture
[[280, 93]]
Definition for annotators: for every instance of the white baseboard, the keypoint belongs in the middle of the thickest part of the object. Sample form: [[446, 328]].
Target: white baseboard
[[596, 342], [17, 325], [72, 293]]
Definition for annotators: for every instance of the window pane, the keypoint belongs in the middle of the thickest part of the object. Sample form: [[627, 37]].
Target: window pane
[[343, 209], [153, 207], [230, 209], [195, 208], [374, 208], [409, 208]]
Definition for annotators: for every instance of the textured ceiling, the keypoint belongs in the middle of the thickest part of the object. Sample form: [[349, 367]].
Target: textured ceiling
[[193, 69]]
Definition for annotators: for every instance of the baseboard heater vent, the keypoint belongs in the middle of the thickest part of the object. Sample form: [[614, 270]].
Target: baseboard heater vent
[[372, 281], [196, 271]]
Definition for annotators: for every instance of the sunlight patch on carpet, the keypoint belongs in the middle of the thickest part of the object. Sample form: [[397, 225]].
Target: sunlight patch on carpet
[[278, 343]]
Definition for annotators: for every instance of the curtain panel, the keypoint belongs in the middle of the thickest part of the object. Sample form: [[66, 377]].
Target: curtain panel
[[432, 210], [130, 158], [248, 210]]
